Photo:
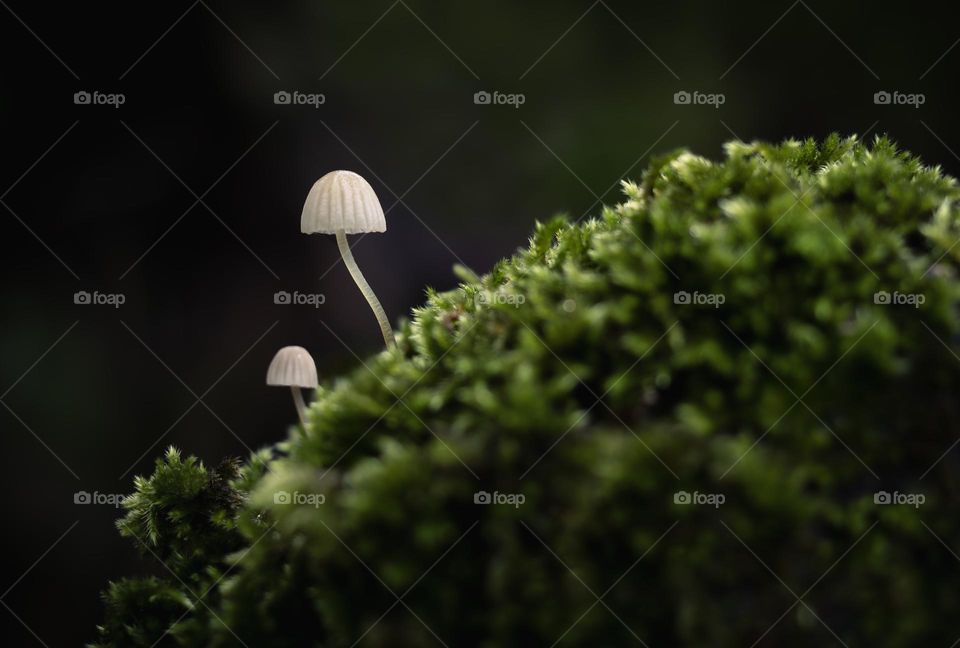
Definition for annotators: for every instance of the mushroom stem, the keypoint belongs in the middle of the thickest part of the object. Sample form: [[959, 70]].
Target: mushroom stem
[[300, 405], [365, 289]]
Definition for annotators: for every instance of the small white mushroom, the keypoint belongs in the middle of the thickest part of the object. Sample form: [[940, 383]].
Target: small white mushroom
[[293, 367], [341, 203]]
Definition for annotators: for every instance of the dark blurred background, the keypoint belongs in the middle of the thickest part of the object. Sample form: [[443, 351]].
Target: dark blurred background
[[186, 199]]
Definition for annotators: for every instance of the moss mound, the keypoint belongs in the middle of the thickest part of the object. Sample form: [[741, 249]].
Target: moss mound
[[679, 422]]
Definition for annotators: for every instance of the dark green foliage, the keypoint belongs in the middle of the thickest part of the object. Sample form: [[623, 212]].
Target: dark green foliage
[[598, 397], [185, 514], [185, 517], [139, 611]]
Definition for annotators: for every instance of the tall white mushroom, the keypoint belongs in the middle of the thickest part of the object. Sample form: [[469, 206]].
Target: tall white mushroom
[[341, 203], [293, 367]]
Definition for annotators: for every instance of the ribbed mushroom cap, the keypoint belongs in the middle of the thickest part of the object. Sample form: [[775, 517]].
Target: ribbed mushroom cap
[[342, 200], [292, 367]]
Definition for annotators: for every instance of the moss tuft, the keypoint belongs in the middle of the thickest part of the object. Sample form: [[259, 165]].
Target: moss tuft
[[767, 330]]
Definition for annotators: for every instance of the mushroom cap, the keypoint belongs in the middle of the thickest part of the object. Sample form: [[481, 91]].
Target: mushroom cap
[[292, 367], [342, 200]]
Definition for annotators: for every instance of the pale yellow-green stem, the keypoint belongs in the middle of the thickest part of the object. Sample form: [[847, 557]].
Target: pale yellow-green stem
[[365, 289], [300, 405]]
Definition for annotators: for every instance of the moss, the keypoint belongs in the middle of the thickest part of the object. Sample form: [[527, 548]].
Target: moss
[[720, 332]]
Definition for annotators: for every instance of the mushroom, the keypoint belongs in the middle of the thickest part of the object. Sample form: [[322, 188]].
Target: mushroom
[[293, 367], [341, 203]]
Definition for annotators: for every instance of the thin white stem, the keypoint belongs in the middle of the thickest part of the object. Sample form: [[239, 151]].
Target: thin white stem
[[365, 289], [300, 405]]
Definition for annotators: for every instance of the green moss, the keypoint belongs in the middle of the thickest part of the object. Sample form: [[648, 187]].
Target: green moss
[[572, 376]]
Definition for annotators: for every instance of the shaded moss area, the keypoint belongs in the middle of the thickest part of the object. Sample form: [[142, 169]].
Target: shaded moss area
[[775, 329]]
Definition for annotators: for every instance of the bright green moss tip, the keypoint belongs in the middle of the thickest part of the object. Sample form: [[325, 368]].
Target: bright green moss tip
[[769, 328]]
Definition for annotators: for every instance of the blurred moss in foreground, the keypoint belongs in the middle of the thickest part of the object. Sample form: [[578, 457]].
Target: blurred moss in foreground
[[691, 408]]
